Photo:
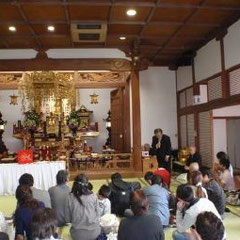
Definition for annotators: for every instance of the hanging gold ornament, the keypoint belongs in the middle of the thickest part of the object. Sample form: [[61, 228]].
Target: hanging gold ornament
[[13, 100], [94, 98]]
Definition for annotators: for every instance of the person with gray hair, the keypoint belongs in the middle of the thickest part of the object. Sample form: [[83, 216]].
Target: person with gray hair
[[58, 195]]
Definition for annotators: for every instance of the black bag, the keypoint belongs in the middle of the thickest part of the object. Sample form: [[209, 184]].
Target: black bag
[[120, 195]]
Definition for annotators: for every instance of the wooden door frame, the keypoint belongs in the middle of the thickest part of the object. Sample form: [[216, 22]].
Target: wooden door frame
[[117, 95], [227, 119], [127, 123]]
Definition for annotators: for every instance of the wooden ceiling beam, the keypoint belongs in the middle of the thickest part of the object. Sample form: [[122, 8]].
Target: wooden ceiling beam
[[216, 32], [47, 35], [110, 15], [129, 36], [146, 46], [182, 23], [194, 6], [191, 15], [22, 14], [129, 3], [46, 64], [67, 16], [143, 23], [4, 42], [149, 18]]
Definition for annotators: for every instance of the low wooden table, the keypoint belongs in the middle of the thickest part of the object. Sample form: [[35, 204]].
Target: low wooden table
[[150, 164]]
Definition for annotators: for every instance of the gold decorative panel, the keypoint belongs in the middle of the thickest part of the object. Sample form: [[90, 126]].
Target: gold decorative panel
[[101, 77]]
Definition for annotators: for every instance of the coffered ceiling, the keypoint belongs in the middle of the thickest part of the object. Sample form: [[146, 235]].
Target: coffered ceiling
[[162, 31]]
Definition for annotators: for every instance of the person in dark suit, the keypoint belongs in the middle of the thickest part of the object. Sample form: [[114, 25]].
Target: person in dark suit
[[193, 157], [161, 147]]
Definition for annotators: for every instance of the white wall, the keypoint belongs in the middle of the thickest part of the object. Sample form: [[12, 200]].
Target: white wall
[[158, 103], [184, 77], [219, 135], [208, 60], [100, 112], [11, 114], [231, 111], [232, 45]]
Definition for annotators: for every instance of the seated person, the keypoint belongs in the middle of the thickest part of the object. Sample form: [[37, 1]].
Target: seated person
[[58, 195], [209, 225], [148, 177], [141, 226], [3, 223], [197, 185], [4, 227], [163, 173], [43, 224], [184, 177], [146, 147], [214, 190], [225, 178], [223, 155], [3, 151], [82, 210], [103, 200], [41, 195], [193, 167], [3, 236], [158, 198], [188, 208], [193, 157], [27, 205], [120, 193]]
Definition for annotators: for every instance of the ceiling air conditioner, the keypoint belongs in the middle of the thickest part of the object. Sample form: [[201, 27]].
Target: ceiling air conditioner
[[89, 32]]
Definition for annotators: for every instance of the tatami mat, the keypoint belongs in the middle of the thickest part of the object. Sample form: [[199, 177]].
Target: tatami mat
[[231, 221]]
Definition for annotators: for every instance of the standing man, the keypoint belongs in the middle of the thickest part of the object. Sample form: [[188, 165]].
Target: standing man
[[161, 147]]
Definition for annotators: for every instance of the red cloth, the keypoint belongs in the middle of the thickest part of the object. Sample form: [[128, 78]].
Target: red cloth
[[25, 156], [165, 175]]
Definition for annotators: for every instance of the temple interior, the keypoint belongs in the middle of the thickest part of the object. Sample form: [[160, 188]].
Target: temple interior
[[143, 91]]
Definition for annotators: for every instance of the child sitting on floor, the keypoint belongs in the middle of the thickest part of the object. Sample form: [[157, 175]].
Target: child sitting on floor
[[104, 203]]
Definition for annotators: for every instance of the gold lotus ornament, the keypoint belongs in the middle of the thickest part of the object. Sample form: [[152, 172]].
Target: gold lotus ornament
[[13, 100], [94, 98]]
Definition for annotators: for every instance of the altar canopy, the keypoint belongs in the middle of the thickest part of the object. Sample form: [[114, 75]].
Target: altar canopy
[[44, 174]]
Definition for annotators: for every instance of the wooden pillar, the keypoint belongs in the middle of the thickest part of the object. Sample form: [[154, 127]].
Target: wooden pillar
[[224, 73], [178, 112], [196, 91], [137, 155]]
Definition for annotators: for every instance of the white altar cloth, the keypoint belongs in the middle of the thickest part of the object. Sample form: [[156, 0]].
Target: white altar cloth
[[44, 174]]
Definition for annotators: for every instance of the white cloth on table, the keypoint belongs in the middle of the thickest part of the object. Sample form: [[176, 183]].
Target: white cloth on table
[[44, 174]]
